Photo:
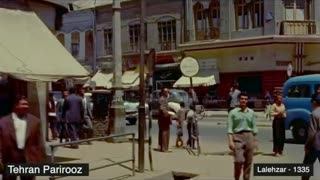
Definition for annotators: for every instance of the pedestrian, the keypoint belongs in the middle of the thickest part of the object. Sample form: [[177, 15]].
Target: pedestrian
[[192, 126], [73, 113], [193, 98], [312, 145], [278, 111], [164, 121], [87, 128], [181, 117], [51, 109], [233, 97], [62, 124], [21, 138], [242, 130]]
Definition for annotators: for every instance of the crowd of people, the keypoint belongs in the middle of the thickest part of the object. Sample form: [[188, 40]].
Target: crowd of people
[[71, 117]]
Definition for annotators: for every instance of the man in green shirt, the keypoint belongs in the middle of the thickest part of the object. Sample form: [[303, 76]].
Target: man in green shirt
[[241, 131]]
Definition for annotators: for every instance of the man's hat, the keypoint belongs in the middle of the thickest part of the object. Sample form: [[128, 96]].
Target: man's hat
[[315, 98]]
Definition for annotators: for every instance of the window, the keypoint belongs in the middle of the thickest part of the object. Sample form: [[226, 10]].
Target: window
[[298, 9], [249, 14], [108, 41], [258, 13], [242, 14], [299, 91], [134, 34], [201, 21], [89, 46], [214, 19], [75, 44], [167, 34]]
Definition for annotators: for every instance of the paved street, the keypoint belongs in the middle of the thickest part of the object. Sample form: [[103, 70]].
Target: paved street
[[214, 163]]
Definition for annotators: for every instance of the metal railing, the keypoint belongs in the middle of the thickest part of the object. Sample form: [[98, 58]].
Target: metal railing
[[53, 146]]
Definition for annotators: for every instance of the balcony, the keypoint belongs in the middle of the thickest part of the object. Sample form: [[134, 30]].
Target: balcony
[[298, 28], [212, 33]]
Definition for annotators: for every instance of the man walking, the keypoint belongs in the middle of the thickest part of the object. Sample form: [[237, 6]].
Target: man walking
[[241, 131], [51, 109], [312, 145], [73, 113], [164, 121], [62, 124], [21, 138], [87, 128]]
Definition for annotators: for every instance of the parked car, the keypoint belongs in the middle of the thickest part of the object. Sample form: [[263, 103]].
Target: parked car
[[132, 111], [297, 92]]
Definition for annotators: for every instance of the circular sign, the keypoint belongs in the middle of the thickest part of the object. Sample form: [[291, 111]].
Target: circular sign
[[189, 66], [289, 70]]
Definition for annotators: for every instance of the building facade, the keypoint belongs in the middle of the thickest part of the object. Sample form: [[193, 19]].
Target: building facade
[[247, 41], [253, 41]]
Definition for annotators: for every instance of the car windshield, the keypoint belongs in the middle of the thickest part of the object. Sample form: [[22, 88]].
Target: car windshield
[[175, 97]]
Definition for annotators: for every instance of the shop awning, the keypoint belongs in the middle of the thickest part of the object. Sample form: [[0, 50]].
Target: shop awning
[[100, 79], [29, 51], [196, 81], [130, 79]]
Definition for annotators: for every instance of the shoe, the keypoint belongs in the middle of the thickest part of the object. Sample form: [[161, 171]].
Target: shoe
[[276, 155]]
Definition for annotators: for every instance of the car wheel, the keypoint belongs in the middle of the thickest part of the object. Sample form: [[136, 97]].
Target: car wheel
[[300, 131], [132, 121]]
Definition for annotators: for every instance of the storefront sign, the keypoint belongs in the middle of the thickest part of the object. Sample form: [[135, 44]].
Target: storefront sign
[[189, 67]]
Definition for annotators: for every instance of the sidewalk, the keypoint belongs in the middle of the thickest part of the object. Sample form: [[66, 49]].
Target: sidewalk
[[215, 163], [221, 118]]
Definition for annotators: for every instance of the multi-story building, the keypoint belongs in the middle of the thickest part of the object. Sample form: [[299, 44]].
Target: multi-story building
[[253, 41], [163, 32], [248, 41]]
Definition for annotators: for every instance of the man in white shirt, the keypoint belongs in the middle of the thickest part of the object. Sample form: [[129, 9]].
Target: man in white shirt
[[234, 97], [21, 138]]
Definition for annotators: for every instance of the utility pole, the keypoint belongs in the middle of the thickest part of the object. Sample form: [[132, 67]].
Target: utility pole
[[94, 39], [142, 113], [117, 117]]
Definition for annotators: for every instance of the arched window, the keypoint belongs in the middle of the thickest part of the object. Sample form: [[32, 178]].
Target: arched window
[[60, 37], [167, 33], [75, 43], [214, 19], [89, 45], [201, 21]]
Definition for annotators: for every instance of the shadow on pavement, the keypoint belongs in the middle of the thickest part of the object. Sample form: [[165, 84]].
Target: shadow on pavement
[[121, 177], [61, 159], [292, 141], [174, 176], [228, 153]]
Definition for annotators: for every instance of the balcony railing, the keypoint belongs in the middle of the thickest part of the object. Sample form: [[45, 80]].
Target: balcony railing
[[212, 33], [298, 28]]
